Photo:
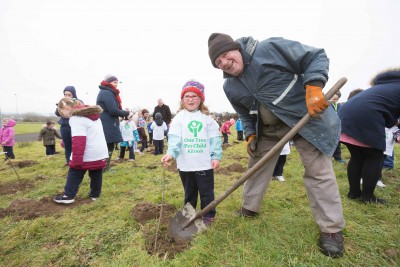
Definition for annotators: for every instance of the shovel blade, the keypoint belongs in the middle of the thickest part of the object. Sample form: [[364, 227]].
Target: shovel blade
[[176, 223]]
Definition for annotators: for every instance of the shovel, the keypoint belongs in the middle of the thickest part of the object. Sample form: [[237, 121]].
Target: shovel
[[186, 223]]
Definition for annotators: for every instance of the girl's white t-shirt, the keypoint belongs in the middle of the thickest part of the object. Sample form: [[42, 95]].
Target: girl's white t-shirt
[[195, 130], [286, 149], [127, 128]]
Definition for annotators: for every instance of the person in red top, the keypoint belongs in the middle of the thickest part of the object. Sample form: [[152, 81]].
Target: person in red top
[[225, 129], [89, 149]]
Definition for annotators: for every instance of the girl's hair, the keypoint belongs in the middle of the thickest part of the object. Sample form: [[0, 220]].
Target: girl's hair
[[67, 101], [203, 108]]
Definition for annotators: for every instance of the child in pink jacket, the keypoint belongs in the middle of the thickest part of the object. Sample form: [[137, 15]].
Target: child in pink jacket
[[225, 130], [7, 137]]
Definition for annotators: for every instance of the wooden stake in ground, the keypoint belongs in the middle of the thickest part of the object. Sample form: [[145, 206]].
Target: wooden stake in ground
[[161, 211], [12, 166]]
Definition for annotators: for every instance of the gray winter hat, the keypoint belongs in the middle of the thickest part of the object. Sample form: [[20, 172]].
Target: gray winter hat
[[110, 78]]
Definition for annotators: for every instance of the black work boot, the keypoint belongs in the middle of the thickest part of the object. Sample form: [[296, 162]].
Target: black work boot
[[246, 213], [331, 244]]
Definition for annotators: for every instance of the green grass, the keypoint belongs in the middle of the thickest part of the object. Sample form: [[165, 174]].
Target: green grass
[[105, 233], [29, 127]]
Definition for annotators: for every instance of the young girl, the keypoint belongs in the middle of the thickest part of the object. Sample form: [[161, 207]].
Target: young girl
[[7, 137], [143, 116], [129, 135], [225, 129], [89, 148], [159, 128], [193, 140], [48, 133]]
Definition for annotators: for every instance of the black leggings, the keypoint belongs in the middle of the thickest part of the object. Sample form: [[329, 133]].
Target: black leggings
[[278, 171], [365, 163], [199, 182]]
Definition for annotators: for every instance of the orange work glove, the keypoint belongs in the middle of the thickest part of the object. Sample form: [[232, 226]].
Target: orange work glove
[[315, 101], [251, 144]]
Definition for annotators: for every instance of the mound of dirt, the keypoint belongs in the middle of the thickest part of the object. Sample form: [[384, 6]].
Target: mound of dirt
[[157, 243], [235, 167], [14, 187], [28, 209], [20, 164], [24, 163]]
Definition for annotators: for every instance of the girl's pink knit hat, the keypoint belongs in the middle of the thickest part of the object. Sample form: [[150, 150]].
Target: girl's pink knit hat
[[193, 86]]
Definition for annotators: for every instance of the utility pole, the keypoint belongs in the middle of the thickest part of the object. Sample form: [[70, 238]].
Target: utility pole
[[16, 104]]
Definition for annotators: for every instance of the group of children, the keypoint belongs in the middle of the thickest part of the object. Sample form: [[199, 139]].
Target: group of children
[[193, 140], [132, 135]]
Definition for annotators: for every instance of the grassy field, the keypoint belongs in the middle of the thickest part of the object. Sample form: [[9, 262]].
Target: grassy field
[[29, 127], [104, 233]]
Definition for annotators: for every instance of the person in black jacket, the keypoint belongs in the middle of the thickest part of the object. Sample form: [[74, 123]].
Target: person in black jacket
[[364, 118], [109, 100]]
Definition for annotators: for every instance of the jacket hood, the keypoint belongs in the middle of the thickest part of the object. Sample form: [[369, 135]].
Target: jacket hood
[[389, 75], [11, 123], [90, 112], [72, 90], [158, 119], [248, 45]]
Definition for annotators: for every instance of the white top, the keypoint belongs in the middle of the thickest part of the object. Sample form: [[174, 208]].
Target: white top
[[195, 130], [390, 140], [127, 128], [286, 149], [158, 131], [96, 146]]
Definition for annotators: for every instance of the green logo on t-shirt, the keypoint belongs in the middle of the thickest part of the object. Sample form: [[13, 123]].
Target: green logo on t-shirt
[[195, 145], [195, 127]]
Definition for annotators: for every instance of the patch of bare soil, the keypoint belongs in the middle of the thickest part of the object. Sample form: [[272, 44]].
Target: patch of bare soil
[[235, 167], [160, 244], [28, 209], [20, 164], [13, 187], [24, 163]]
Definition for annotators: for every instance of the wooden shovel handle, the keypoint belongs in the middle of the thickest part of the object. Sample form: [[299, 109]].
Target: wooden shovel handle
[[277, 148]]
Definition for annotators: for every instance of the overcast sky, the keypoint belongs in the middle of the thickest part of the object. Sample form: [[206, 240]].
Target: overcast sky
[[154, 47]]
